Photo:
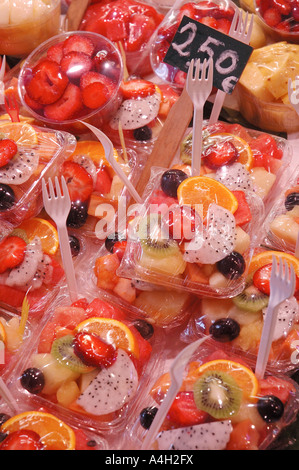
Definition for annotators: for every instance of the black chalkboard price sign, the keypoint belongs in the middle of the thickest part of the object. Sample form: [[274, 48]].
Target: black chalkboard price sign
[[194, 40]]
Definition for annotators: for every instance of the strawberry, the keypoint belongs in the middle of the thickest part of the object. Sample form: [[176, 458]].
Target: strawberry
[[75, 64], [55, 52], [141, 28], [78, 43], [8, 149], [209, 21], [12, 252], [67, 106], [103, 182], [23, 439], [243, 213], [93, 351], [32, 104], [137, 87], [79, 181], [183, 411], [272, 17], [95, 95], [261, 279], [220, 154], [90, 77], [119, 248], [48, 82]]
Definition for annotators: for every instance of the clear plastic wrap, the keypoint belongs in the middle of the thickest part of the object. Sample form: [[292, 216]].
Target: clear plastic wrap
[[282, 223], [39, 429], [237, 323], [262, 91], [202, 419], [97, 396], [71, 77], [37, 154], [129, 23], [280, 20]]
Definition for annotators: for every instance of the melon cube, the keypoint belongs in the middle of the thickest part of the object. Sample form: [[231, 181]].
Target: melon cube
[[67, 393], [285, 228], [263, 181]]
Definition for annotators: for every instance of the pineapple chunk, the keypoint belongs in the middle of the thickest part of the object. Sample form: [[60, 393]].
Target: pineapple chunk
[[67, 393], [13, 337], [277, 83], [54, 373], [263, 181], [254, 81], [285, 228], [242, 241], [217, 280], [172, 265]]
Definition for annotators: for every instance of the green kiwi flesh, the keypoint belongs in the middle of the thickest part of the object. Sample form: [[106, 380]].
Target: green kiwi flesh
[[152, 241], [218, 394], [251, 299], [62, 350]]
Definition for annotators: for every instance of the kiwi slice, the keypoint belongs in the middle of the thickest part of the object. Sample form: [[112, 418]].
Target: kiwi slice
[[251, 299], [63, 351], [218, 394], [153, 243]]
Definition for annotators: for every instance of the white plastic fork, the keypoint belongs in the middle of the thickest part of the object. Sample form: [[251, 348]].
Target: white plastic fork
[[199, 85], [241, 31], [282, 287], [176, 374], [58, 207]]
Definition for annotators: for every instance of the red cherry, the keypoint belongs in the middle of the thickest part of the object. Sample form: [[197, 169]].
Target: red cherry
[[24, 439]]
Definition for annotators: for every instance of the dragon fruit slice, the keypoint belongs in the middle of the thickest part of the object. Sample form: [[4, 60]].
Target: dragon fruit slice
[[24, 273], [217, 240], [44, 273], [288, 313], [235, 177], [88, 165], [112, 388], [20, 168], [135, 113], [207, 436]]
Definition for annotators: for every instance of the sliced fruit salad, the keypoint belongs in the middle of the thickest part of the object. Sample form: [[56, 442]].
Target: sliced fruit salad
[[222, 405], [92, 182], [238, 322], [240, 158], [72, 76], [142, 113], [161, 307], [30, 264], [194, 234], [41, 430], [216, 14], [27, 153], [129, 23], [282, 223], [89, 360]]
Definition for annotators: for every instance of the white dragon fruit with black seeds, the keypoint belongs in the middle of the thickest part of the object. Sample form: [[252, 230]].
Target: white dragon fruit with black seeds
[[217, 240], [287, 315], [88, 165], [19, 169], [112, 388], [207, 436], [44, 273], [25, 272], [136, 113], [235, 177]]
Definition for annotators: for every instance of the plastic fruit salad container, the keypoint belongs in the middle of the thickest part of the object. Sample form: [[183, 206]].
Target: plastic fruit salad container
[[71, 77], [89, 360], [217, 14], [221, 405], [279, 19], [237, 323]]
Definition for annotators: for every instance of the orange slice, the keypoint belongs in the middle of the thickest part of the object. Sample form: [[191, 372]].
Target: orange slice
[[94, 150], [42, 228], [245, 153], [21, 132], [265, 257], [201, 191], [2, 333], [113, 332], [54, 433], [244, 377], [6, 117]]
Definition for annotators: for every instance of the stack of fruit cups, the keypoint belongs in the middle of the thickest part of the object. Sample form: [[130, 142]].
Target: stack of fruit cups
[[89, 360], [27, 154], [39, 429], [237, 322], [72, 77], [221, 405]]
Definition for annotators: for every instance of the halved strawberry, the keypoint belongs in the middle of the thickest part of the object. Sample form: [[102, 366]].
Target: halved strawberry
[[141, 28], [220, 154], [78, 180], [55, 52], [261, 279], [12, 252], [103, 182], [92, 77], [23, 439], [8, 149], [75, 64], [93, 351], [48, 82], [67, 106], [184, 412], [78, 43], [137, 87], [95, 95], [32, 104]]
